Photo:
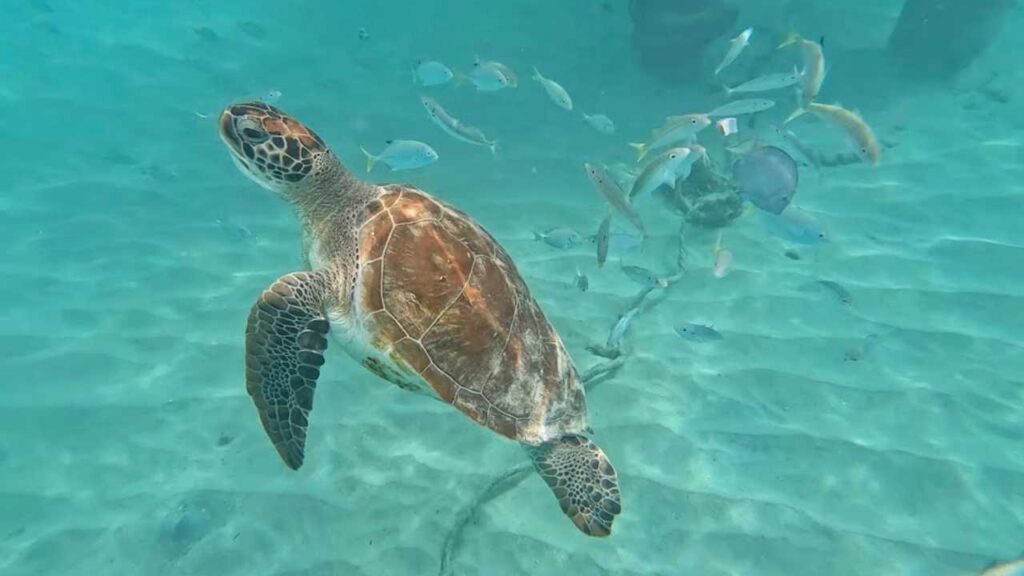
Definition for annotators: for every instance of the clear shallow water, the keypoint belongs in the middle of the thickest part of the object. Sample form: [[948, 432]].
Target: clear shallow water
[[133, 250]]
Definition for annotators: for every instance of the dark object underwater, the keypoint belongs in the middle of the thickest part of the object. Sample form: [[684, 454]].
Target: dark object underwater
[[768, 177]]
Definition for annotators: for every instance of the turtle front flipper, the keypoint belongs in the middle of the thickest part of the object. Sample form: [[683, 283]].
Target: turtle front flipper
[[284, 343], [582, 479]]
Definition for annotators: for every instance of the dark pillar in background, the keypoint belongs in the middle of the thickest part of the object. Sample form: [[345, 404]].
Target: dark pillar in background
[[669, 36], [936, 39]]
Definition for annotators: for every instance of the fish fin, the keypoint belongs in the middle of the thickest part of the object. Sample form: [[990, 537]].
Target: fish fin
[[494, 148], [370, 159], [728, 91], [536, 75], [718, 242], [800, 111], [791, 38], [537, 236], [641, 149]]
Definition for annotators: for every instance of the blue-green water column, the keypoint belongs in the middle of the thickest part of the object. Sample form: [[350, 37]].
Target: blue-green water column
[[936, 39]]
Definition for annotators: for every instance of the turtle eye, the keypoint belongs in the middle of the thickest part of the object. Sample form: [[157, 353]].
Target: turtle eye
[[252, 131]]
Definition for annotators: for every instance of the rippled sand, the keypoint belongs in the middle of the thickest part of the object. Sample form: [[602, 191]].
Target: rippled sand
[[133, 250]]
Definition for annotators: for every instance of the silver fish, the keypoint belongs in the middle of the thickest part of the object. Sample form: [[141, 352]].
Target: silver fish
[[662, 171], [766, 83], [554, 90], [795, 225], [401, 155], [600, 122], [454, 128], [488, 78], [559, 237], [675, 129], [619, 330], [740, 107], [602, 240], [614, 195], [432, 73], [644, 277], [698, 332], [736, 45]]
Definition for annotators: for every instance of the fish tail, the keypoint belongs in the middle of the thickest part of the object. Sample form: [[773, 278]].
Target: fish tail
[[370, 159], [791, 38], [494, 148], [459, 78], [537, 236], [641, 149], [728, 91]]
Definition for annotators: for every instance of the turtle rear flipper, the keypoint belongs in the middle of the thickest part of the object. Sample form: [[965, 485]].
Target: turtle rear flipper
[[284, 343], [583, 481]]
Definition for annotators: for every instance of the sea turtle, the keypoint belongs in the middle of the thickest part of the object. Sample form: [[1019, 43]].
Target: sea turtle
[[420, 295]]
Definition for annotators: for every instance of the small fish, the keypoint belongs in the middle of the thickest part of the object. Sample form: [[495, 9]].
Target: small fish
[[723, 258], [402, 155], [644, 277], [582, 282], [741, 107], [559, 237], [555, 92], [511, 80], [614, 195], [856, 129], [432, 73], [766, 83], [620, 328], [488, 77], [698, 332], [602, 239], [675, 129], [795, 225], [270, 97], [600, 122], [727, 126], [814, 66], [837, 290], [767, 177], [662, 171], [454, 128], [736, 45]]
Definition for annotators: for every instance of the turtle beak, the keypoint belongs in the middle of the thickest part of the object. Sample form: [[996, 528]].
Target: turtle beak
[[227, 130]]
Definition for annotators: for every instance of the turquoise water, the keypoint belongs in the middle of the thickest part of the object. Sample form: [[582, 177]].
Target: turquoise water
[[878, 436]]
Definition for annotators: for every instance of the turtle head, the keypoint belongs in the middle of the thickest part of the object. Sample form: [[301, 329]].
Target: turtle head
[[275, 150]]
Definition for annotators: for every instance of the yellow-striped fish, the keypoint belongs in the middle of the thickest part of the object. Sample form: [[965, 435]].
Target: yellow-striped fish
[[814, 66], [855, 128]]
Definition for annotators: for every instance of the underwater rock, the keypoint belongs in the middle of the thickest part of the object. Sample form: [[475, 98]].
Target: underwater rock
[[707, 199], [936, 39], [663, 30]]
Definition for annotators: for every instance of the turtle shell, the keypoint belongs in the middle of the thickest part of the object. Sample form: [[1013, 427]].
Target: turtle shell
[[440, 297]]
